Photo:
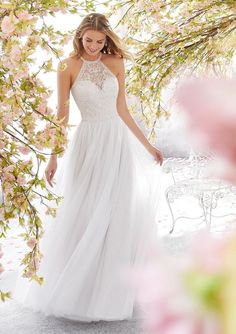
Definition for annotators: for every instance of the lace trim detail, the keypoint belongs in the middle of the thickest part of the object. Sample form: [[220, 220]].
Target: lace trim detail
[[95, 72]]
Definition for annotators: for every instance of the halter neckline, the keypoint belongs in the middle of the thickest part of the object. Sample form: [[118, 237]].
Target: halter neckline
[[92, 61]]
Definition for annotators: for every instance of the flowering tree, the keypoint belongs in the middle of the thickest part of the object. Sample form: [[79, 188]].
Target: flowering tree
[[172, 37], [28, 125]]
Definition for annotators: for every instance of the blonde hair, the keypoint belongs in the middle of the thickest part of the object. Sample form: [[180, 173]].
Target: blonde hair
[[99, 22]]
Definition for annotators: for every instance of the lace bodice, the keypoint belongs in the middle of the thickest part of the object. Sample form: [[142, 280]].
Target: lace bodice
[[95, 90]]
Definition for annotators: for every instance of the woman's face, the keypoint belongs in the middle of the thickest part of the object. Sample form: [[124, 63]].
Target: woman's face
[[93, 41]]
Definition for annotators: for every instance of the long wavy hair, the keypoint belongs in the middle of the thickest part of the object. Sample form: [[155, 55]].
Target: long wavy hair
[[96, 21]]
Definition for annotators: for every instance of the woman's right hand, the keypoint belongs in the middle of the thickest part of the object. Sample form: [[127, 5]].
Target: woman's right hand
[[51, 170]]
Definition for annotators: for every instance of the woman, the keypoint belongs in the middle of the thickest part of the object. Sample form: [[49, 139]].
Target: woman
[[107, 218]]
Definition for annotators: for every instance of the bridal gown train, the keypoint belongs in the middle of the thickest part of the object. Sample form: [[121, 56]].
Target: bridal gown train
[[107, 219]]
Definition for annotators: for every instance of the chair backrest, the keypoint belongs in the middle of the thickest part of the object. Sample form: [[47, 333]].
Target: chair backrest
[[193, 167]]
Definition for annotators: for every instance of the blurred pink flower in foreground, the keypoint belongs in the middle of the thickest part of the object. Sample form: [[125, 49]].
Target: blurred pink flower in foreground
[[1, 251], [209, 257], [1, 268], [165, 300], [210, 104]]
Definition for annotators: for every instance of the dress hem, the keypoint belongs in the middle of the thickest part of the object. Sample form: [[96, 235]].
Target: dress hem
[[60, 315]]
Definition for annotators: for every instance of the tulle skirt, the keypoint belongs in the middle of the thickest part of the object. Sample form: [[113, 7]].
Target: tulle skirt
[[104, 226]]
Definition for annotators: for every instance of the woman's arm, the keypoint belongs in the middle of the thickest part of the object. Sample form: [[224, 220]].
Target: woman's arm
[[123, 111], [63, 96], [63, 93]]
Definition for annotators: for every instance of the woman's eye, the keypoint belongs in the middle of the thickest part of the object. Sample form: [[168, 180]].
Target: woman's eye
[[91, 41]]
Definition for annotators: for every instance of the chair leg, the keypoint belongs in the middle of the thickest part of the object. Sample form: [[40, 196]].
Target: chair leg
[[201, 202], [206, 205], [171, 212]]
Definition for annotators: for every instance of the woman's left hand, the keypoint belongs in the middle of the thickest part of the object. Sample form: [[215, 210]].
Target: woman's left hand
[[158, 156]]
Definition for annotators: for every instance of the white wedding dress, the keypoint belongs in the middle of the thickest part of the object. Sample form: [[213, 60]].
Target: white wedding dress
[[107, 220]]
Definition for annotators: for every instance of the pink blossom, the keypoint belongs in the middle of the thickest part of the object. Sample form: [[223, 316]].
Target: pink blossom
[[15, 53], [1, 217], [7, 63], [163, 300], [1, 254], [209, 256], [141, 5], [7, 25], [21, 74], [28, 274], [64, 11], [164, 304], [210, 105], [24, 150], [35, 39], [56, 9], [156, 5], [52, 132], [7, 118], [21, 180], [42, 107], [25, 32], [8, 189], [31, 127], [24, 15], [9, 169], [1, 268], [1, 133], [8, 177], [171, 29], [31, 242]]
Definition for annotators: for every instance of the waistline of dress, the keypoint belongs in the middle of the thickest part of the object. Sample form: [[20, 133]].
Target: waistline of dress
[[99, 118]]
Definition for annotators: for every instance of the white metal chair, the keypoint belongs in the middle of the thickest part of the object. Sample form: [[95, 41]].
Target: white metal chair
[[190, 177]]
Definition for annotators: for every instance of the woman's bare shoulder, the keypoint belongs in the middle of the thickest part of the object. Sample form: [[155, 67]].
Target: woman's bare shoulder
[[112, 58], [114, 63]]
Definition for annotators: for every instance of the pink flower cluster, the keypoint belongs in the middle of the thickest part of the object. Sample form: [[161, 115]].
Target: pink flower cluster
[[163, 296], [8, 25], [1, 255], [210, 104]]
